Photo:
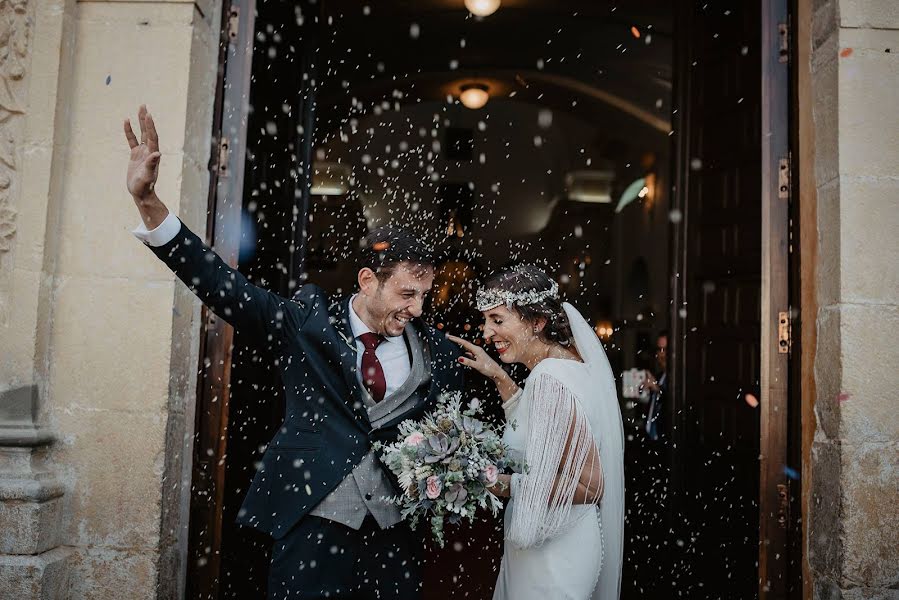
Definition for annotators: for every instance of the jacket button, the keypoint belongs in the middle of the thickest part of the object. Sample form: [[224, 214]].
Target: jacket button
[[368, 496]]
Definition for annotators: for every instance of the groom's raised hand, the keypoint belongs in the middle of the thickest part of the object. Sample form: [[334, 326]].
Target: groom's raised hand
[[143, 169]]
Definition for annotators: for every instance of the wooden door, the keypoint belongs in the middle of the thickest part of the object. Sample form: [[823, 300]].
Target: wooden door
[[223, 234], [730, 286], [779, 475]]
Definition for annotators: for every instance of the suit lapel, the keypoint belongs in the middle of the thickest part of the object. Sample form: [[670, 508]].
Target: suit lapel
[[427, 338], [347, 351], [404, 398]]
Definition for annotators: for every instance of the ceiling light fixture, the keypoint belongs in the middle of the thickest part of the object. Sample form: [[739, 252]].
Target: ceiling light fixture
[[482, 8], [590, 186], [330, 179], [474, 95]]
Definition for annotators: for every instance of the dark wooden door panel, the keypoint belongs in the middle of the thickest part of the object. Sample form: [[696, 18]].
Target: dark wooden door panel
[[731, 285], [719, 285]]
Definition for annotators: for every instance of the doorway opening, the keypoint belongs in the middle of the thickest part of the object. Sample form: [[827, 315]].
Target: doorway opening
[[542, 133]]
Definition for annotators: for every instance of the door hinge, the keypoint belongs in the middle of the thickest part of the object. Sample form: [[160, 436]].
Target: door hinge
[[224, 153], [233, 23], [783, 508], [784, 333], [783, 34], [783, 178]]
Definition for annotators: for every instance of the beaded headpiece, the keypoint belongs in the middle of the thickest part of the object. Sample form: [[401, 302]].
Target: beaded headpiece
[[491, 298]]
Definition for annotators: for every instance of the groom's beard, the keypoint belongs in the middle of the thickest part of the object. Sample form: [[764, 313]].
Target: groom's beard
[[384, 320], [394, 323], [405, 318]]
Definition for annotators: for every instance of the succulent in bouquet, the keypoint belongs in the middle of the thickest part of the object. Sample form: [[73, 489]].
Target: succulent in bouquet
[[445, 464]]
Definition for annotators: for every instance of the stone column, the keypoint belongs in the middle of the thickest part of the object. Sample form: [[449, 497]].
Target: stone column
[[98, 342], [33, 561], [854, 502]]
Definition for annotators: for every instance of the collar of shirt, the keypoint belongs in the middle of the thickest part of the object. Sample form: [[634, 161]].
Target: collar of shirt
[[358, 327]]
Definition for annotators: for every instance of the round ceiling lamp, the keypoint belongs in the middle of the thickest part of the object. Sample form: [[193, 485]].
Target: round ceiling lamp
[[474, 95], [482, 8]]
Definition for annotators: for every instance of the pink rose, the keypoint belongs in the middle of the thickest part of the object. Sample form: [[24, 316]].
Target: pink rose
[[434, 487], [491, 474], [414, 439]]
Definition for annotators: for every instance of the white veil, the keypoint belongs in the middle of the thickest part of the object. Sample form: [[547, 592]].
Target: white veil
[[610, 439]]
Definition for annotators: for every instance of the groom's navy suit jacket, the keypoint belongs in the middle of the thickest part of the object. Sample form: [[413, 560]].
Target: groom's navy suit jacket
[[326, 431]]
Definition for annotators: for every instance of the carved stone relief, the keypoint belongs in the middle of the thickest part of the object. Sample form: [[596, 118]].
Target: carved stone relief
[[15, 34]]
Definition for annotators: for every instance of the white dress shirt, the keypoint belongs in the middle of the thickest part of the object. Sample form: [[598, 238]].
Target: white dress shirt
[[164, 233], [392, 353]]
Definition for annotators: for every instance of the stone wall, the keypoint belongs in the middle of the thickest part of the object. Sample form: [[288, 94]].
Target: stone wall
[[34, 51], [99, 345], [853, 506]]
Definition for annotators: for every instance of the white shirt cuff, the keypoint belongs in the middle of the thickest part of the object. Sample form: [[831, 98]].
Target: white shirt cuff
[[164, 233]]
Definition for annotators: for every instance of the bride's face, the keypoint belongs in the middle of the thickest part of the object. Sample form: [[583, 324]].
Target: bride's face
[[509, 334]]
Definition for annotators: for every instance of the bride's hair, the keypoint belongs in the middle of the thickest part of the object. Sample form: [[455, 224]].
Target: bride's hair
[[528, 278]]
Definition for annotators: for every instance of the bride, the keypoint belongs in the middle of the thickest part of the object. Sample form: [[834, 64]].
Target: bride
[[564, 522]]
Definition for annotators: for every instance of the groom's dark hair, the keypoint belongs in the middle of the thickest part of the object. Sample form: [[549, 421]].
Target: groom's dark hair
[[386, 247]]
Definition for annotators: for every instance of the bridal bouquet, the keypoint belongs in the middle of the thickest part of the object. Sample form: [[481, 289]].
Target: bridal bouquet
[[445, 463]]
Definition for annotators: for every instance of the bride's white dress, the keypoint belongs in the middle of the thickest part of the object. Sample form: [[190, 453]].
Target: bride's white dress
[[554, 548]]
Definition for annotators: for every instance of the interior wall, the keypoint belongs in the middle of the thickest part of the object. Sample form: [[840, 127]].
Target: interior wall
[[516, 179]]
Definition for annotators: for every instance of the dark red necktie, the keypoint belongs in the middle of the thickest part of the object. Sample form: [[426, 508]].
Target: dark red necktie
[[372, 374]]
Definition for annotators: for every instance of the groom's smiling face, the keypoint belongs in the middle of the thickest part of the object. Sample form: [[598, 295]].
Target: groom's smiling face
[[387, 304]]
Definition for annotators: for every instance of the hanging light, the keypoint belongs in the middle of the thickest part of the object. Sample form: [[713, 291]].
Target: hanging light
[[482, 8], [474, 95]]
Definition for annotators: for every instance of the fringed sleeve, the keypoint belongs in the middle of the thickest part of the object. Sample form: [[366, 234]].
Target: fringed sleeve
[[560, 454]]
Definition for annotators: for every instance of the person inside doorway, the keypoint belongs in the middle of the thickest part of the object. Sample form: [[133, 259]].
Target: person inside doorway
[[657, 384]]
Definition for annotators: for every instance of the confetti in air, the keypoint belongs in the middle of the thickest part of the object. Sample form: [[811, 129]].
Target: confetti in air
[[570, 166]]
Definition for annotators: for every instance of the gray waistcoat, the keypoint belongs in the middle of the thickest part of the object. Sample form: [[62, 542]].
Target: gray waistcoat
[[362, 492]]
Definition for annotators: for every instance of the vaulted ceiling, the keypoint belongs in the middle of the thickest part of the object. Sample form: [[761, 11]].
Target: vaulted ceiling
[[598, 57]]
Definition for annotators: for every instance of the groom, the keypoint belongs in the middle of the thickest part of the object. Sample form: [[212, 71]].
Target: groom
[[352, 371]]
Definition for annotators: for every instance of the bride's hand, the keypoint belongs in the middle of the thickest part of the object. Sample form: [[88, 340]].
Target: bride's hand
[[503, 487], [478, 359]]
